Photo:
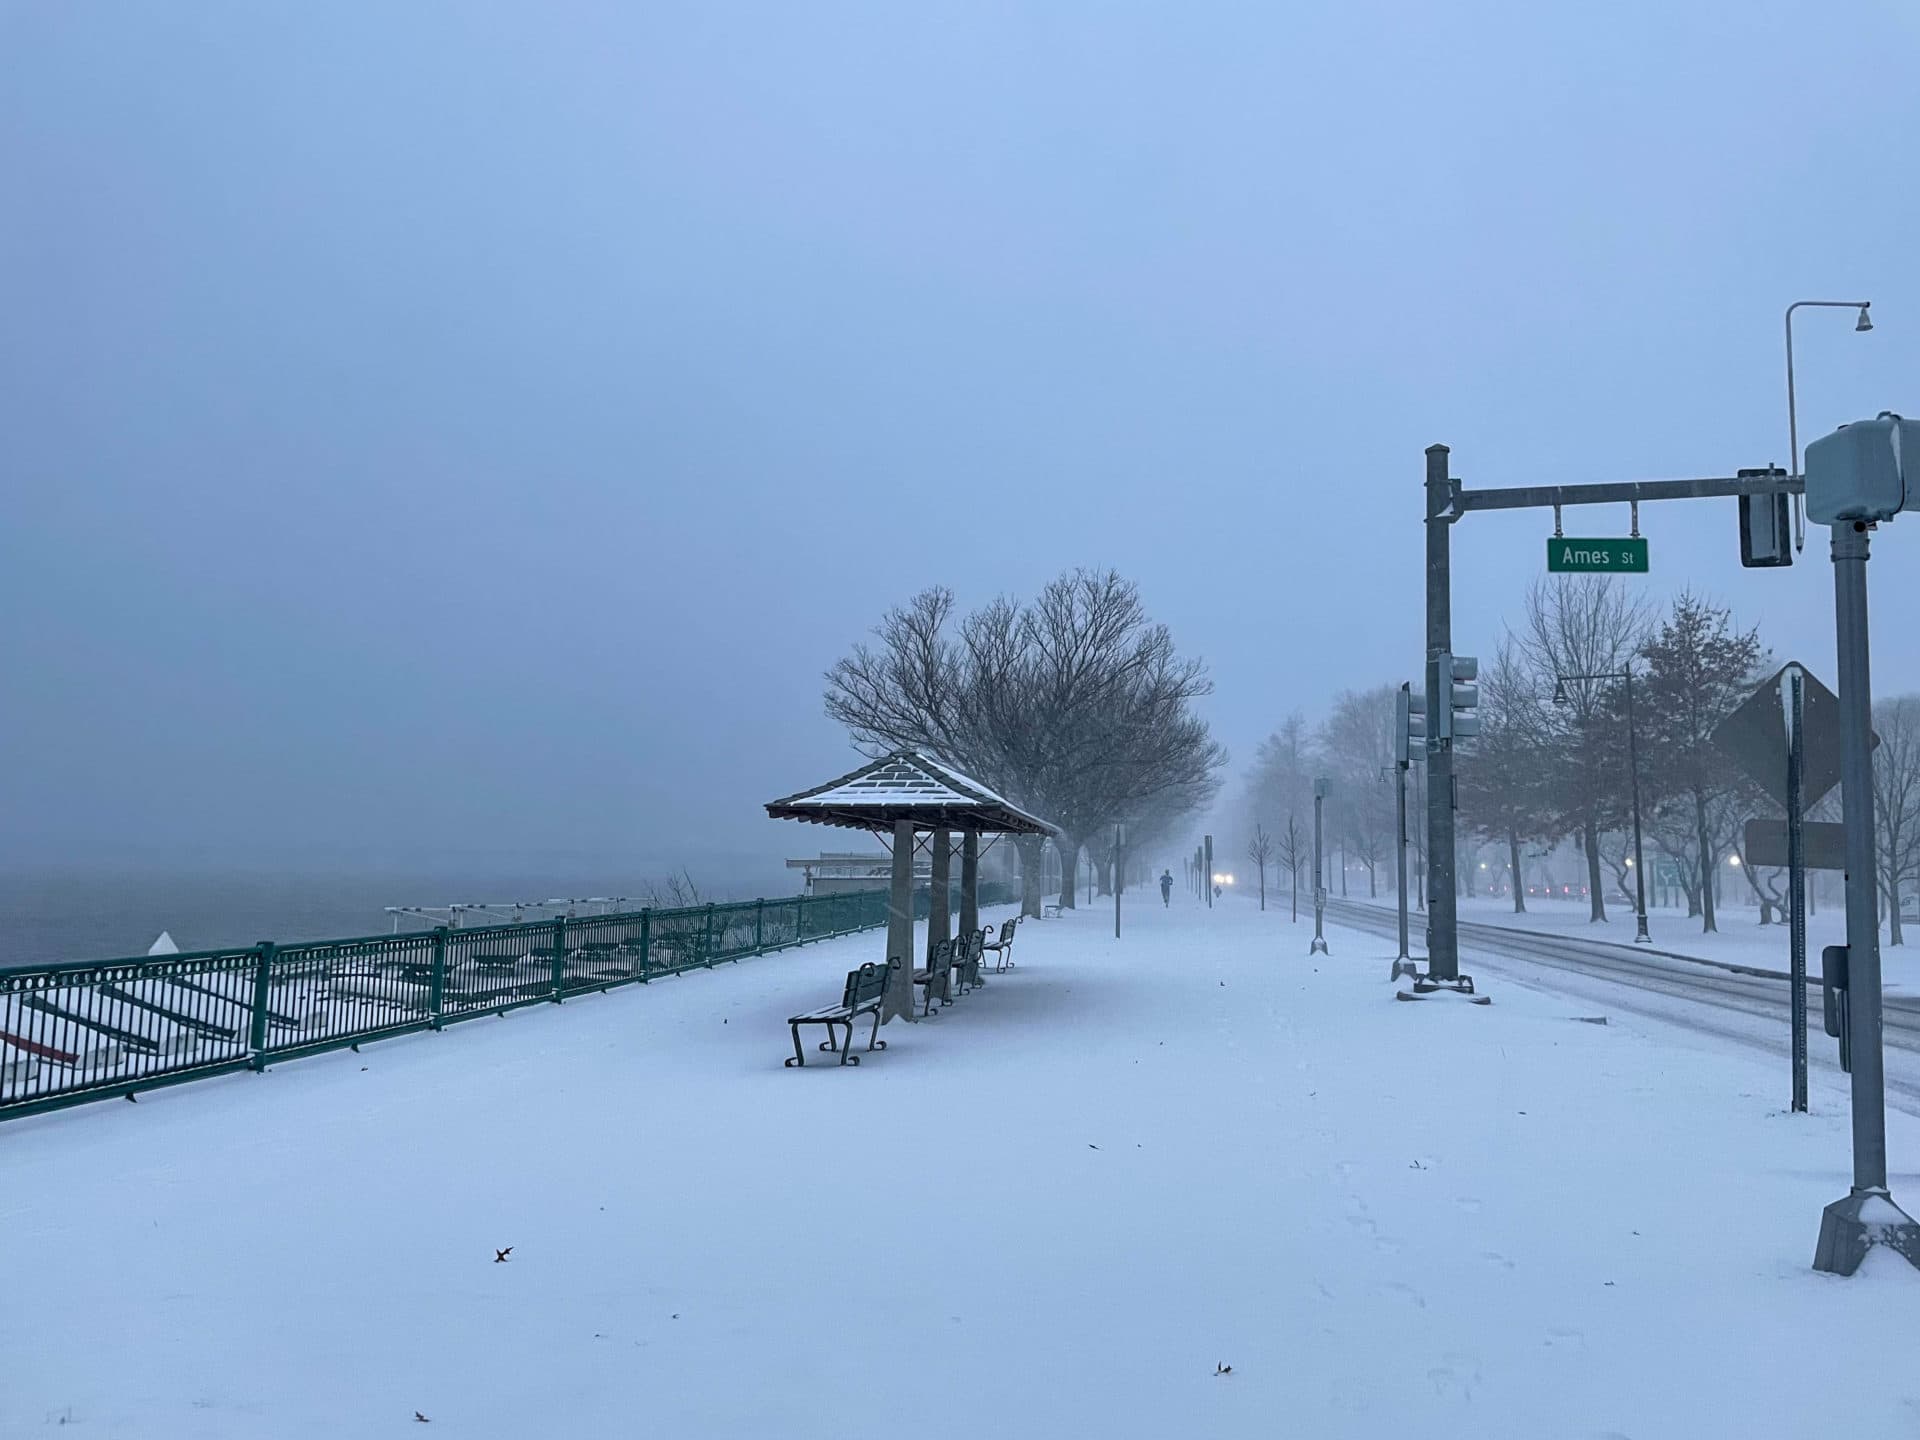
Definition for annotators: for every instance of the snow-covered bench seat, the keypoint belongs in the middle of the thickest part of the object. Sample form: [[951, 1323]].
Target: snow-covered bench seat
[[864, 990]]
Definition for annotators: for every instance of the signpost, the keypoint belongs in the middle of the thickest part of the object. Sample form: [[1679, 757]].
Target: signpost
[[1623, 556], [1786, 736]]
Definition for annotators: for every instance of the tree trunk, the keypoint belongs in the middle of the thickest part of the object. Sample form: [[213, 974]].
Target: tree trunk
[[1293, 889], [1104, 866], [1263, 884], [1513, 869], [1596, 897], [1032, 850], [1373, 882], [1707, 866], [1894, 935], [1069, 871]]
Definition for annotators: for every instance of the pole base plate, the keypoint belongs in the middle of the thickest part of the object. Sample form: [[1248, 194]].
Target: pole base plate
[[1852, 1226], [1318, 947], [1408, 968]]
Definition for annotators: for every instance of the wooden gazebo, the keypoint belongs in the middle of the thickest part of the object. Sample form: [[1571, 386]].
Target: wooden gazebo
[[900, 795]]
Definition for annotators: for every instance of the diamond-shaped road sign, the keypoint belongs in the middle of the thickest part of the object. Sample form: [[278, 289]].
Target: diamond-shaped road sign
[[1754, 737]]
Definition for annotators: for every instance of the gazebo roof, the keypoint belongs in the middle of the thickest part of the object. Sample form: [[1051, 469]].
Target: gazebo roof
[[907, 785]]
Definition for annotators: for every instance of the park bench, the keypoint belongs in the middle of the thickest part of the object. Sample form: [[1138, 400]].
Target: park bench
[[938, 975], [966, 960], [865, 989], [1003, 947]]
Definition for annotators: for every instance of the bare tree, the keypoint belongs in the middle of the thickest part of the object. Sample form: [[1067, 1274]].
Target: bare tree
[[1896, 801], [1698, 670], [1582, 625], [1260, 851], [1504, 774], [1357, 744], [1290, 848], [676, 892], [1076, 706]]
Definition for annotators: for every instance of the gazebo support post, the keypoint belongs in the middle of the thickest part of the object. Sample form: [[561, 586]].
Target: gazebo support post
[[940, 892], [970, 882], [899, 999]]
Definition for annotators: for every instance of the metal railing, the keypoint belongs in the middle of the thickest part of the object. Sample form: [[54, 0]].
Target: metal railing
[[93, 1030]]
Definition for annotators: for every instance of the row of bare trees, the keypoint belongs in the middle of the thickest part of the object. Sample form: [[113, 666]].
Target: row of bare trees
[[1552, 763], [1074, 705]]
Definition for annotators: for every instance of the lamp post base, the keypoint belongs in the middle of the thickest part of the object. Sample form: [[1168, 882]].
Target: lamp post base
[[1318, 947], [1850, 1227], [1425, 985]]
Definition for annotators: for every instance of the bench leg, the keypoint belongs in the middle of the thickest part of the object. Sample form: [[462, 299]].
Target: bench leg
[[799, 1055], [847, 1057], [874, 1042]]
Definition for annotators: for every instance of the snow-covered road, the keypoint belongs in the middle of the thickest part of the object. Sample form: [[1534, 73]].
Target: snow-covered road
[[1058, 1210], [1714, 997]]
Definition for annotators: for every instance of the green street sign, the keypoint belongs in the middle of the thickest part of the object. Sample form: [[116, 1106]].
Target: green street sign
[[1603, 557]]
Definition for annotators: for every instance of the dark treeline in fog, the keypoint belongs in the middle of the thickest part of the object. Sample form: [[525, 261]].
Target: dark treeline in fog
[[1552, 764]]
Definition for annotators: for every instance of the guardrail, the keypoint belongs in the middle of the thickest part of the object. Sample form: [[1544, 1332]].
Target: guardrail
[[93, 1030]]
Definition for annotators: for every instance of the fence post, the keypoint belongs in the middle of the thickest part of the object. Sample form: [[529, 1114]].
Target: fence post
[[706, 942], [559, 955], [262, 983], [799, 919], [759, 926], [646, 940], [437, 991]]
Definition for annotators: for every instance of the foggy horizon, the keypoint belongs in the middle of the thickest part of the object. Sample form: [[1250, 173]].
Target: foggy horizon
[[464, 437]]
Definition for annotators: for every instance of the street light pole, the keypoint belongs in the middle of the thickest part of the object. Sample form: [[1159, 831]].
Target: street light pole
[[1640, 935], [1319, 945], [1793, 421]]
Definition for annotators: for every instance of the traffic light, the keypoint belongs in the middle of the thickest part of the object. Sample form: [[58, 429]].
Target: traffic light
[[1459, 717], [1766, 538], [1410, 724]]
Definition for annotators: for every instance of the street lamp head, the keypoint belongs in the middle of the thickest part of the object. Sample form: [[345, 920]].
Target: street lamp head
[[1865, 322], [1560, 692]]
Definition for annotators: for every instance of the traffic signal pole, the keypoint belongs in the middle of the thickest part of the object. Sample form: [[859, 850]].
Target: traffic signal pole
[[1446, 502], [1867, 1216], [1443, 936]]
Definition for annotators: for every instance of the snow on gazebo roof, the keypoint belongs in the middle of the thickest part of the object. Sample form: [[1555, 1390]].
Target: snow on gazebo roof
[[907, 785]]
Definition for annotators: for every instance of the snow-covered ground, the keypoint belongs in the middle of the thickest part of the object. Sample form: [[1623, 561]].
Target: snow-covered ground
[[1054, 1211]]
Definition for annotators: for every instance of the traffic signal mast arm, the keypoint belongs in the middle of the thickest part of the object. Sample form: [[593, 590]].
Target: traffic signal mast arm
[[1774, 482]]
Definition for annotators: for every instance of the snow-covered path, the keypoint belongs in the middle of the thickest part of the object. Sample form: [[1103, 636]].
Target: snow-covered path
[[1051, 1212]]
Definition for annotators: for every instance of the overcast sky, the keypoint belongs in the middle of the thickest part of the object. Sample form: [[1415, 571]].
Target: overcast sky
[[438, 431]]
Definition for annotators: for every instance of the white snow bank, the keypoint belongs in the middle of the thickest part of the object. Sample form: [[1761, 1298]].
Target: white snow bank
[[1054, 1211]]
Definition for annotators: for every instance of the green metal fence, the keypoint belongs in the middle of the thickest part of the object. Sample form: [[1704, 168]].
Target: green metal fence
[[91, 1030]]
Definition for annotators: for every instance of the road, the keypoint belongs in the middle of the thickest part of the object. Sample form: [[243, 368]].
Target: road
[[1748, 1006]]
